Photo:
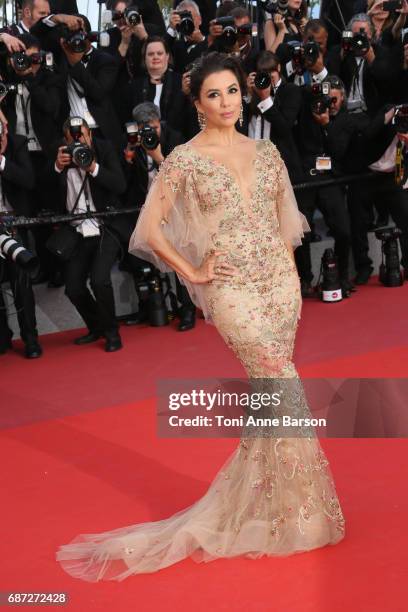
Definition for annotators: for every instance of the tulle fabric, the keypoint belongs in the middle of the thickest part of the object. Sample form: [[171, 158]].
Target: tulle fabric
[[173, 203], [216, 526]]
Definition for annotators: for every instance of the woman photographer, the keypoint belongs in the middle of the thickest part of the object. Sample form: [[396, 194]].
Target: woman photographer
[[284, 28]]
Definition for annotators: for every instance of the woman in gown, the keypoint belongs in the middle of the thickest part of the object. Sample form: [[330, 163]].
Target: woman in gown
[[221, 212]]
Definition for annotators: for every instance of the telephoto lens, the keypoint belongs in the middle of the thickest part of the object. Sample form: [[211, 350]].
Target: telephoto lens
[[330, 288], [14, 251], [132, 15], [21, 61]]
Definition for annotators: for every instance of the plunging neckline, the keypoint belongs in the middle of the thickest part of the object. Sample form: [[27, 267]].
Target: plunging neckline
[[231, 174]]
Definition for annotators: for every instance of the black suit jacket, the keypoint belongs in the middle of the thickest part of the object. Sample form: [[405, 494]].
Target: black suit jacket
[[45, 94], [172, 101], [98, 80], [185, 53], [282, 116], [378, 77], [18, 175]]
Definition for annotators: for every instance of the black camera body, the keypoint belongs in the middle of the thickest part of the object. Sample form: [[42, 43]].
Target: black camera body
[[146, 135], [186, 26], [82, 155], [400, 119], [276, 6], [231, 32], [321, 98], [262, 79], [22, 61], [311, 51], [357, 44]]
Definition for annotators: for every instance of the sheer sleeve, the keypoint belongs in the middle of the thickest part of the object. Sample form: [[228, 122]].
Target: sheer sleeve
[[292, 223], [172, 204]]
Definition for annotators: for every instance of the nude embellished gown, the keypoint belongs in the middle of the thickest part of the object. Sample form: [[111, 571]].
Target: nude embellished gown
[[274, 495]]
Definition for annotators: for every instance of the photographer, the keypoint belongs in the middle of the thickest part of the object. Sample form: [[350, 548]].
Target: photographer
[[32, 106], [159, 84], [143, 160], [233, 35], [285, 24], [207, 10], [324, 132], [305, 62], [366, 68], [184, 37], [384, 144], [95, 186], [16, 177], [273, 109], [90, 76]]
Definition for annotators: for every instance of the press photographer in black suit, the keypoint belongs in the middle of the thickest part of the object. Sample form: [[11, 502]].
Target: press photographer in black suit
[[323, 136], [95, 187], [90, 78], [369, 76], [32, 110], [142, 166], [16, 178], [272, 111], [186, 48]]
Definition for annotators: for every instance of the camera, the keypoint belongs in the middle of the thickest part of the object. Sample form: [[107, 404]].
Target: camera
[[276, 6], [358, 43], [131, 15], [77, 41], [81, 154], [311, 51], [186, 26], [321, 98], [6, 87], [390, 273], [145, 134], [400, 119], [262, 80], [230, 31], [14, 251]]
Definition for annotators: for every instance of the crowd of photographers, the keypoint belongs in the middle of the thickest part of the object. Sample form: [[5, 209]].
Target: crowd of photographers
[[87, 117]]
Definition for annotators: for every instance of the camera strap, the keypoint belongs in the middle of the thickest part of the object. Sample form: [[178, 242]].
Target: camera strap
[[83, 189], [399, 163]]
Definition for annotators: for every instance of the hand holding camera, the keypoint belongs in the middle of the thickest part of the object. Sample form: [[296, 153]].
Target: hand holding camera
[[146, 137], [12, 43]]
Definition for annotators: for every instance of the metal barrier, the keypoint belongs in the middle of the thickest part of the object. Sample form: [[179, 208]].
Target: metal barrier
[[51, 219]]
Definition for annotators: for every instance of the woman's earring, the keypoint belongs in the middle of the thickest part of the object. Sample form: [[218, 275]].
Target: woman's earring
[[241, 116], [201, 120]]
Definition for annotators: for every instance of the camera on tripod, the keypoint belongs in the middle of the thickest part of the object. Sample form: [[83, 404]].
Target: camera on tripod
[[390, 274], [231, 32], [82, 155], [145, 135], [152, 296], [186, 26], [321, 98], [357, 44]]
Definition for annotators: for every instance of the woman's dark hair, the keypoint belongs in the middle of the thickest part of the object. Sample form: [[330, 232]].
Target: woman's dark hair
[[153, 39], [211, 63]]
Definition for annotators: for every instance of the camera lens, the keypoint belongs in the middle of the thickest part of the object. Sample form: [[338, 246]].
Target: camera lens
[[262, 80]]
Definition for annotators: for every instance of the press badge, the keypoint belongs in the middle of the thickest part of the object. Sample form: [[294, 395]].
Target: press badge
[[323, 163]]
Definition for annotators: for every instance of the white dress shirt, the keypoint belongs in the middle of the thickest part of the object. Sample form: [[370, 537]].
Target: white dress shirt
[[33, 144], [77, 104], [257, 121], [75, 178]]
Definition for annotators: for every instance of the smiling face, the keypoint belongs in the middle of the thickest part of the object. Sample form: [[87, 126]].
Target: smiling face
[[220, 99]]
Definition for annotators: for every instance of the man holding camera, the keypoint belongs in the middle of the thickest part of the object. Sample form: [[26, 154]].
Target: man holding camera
[[16, 177], [272, 109], [323, 136], [91, 179], [184, 36], [232, 34], [149, 142], [32, 107], [90, 77]]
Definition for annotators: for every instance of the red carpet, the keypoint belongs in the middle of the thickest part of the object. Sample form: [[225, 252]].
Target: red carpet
[[79, 454]]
